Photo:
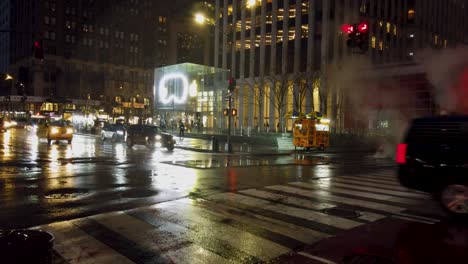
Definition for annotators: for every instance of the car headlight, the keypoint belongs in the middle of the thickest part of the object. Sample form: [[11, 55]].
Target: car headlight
[[158, 137], [120, 132], [54, 130], [69, 130]]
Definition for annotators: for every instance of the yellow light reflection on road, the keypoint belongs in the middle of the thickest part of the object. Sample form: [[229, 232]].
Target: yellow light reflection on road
[[120, 153], [6, 146], [178, 179]]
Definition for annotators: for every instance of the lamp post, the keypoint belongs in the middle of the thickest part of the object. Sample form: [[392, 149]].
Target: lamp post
[[201, 19]]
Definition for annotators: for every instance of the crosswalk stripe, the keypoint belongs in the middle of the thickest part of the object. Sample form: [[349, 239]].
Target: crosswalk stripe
[[305, 203], [141, 232], [412, 219], [378, 190], [126, 247], [175, 247], [263, 250], [389, 183], [357, 193], [154, 217], [76, 246], [389, 179], [326, 195], [373, 184], [305, 235], [288, 210], [194, 254]]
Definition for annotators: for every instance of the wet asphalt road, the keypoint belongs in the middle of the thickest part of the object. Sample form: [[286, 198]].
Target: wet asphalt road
[[64, 181], [197, 204]]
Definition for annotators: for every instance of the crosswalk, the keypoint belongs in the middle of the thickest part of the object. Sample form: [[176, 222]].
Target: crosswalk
[[247, 226]]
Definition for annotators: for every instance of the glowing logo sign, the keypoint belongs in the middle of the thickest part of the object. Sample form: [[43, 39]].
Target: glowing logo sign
[[163, 91], [193, 88]]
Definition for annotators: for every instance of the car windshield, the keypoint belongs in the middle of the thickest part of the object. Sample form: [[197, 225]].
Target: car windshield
[[60, 123]]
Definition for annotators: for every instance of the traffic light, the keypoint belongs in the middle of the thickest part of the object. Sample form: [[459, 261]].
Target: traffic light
[[38, 50], [234, 112], [232, 84], [226, 112], [358, 35]]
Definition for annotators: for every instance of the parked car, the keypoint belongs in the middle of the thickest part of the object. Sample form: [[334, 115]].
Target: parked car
[[434, 158], [114, 132], [150, 136], [55, 130]]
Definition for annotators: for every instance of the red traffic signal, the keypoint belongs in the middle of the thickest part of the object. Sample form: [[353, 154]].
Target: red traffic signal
[[232, 84], [38, 50], [347, 28], [363, 27]]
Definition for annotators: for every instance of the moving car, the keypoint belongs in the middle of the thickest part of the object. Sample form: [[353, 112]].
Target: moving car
[[114, 132], [55, 130], [434, 158], [20, 122], [150, 136]]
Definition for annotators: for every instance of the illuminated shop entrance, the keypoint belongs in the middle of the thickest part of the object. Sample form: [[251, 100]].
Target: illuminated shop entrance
[[190, 93]]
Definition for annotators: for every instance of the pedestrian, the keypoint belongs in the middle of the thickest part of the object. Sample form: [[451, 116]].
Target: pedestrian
[[181, 129]]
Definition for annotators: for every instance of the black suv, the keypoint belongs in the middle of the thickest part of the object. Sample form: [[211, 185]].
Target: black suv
[[149, 136], [434, 159]]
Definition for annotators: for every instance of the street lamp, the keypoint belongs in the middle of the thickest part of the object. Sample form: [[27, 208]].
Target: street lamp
[[200, 18]]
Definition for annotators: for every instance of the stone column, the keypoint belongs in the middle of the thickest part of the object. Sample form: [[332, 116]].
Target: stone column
[[225, 35], [274, 38], [242, 67], [310, 56], [252, 68], [216, 33]]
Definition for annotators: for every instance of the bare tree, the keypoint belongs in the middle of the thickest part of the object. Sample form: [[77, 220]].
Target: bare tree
[[301, 93], [280, 89], [258, 96]]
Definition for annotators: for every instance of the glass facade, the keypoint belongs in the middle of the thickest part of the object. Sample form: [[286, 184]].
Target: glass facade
[[192, 94]]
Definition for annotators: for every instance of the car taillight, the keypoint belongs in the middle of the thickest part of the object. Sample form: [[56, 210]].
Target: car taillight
[[401, 153]]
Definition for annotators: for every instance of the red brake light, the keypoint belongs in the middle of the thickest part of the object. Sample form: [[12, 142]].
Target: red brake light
[[401, 153], [347, 28]]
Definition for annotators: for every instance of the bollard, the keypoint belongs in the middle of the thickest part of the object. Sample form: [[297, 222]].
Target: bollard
[[214, 144], [26, 246]]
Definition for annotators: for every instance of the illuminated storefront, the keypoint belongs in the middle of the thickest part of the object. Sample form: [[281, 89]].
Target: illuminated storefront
[[190, 93]]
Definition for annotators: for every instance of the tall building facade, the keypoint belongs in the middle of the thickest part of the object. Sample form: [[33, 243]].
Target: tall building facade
[[291, 57], [102, 51]]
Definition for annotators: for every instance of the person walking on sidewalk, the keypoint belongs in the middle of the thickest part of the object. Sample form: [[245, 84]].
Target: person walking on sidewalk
[[181, 129]]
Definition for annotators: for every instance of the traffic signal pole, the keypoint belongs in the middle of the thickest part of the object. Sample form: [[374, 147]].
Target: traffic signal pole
[[229, 145]]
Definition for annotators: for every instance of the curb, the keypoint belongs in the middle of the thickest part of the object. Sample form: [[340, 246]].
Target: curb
[[233, 153]]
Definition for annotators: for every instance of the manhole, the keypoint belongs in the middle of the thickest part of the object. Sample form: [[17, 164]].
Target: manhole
[[345, 213], [138, 193], [66, 193], [367, 259]]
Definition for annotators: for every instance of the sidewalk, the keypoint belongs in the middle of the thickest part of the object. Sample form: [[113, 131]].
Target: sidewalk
[[204, 145]]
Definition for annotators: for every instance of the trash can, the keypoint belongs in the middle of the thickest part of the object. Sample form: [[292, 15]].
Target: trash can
[[214, 144], [26, 246]]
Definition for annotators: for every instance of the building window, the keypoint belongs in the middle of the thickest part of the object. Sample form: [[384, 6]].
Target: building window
[[121, 35], [67, 38], [162, 19], [73, 39], [47, 20], [52, 35], [411, 15], [373, 40]]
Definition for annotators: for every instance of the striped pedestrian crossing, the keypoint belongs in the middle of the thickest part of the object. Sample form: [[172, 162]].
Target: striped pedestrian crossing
[[247, 226]]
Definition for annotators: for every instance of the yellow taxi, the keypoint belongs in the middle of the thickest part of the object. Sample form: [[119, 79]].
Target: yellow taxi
[[55, 130]]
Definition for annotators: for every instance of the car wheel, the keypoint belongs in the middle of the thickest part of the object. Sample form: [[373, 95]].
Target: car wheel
[[322, 147], [170, 147], [454, 200], [129, 142], [69, 141]]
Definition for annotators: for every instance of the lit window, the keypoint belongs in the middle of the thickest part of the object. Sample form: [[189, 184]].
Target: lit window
[[411, 14], [394, 30], [388, 27], [411, 54], [380, 45], [373, 41], [436, 39]]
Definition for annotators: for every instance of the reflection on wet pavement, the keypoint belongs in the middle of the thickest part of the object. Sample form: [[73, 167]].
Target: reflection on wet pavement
[[233, 161]]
